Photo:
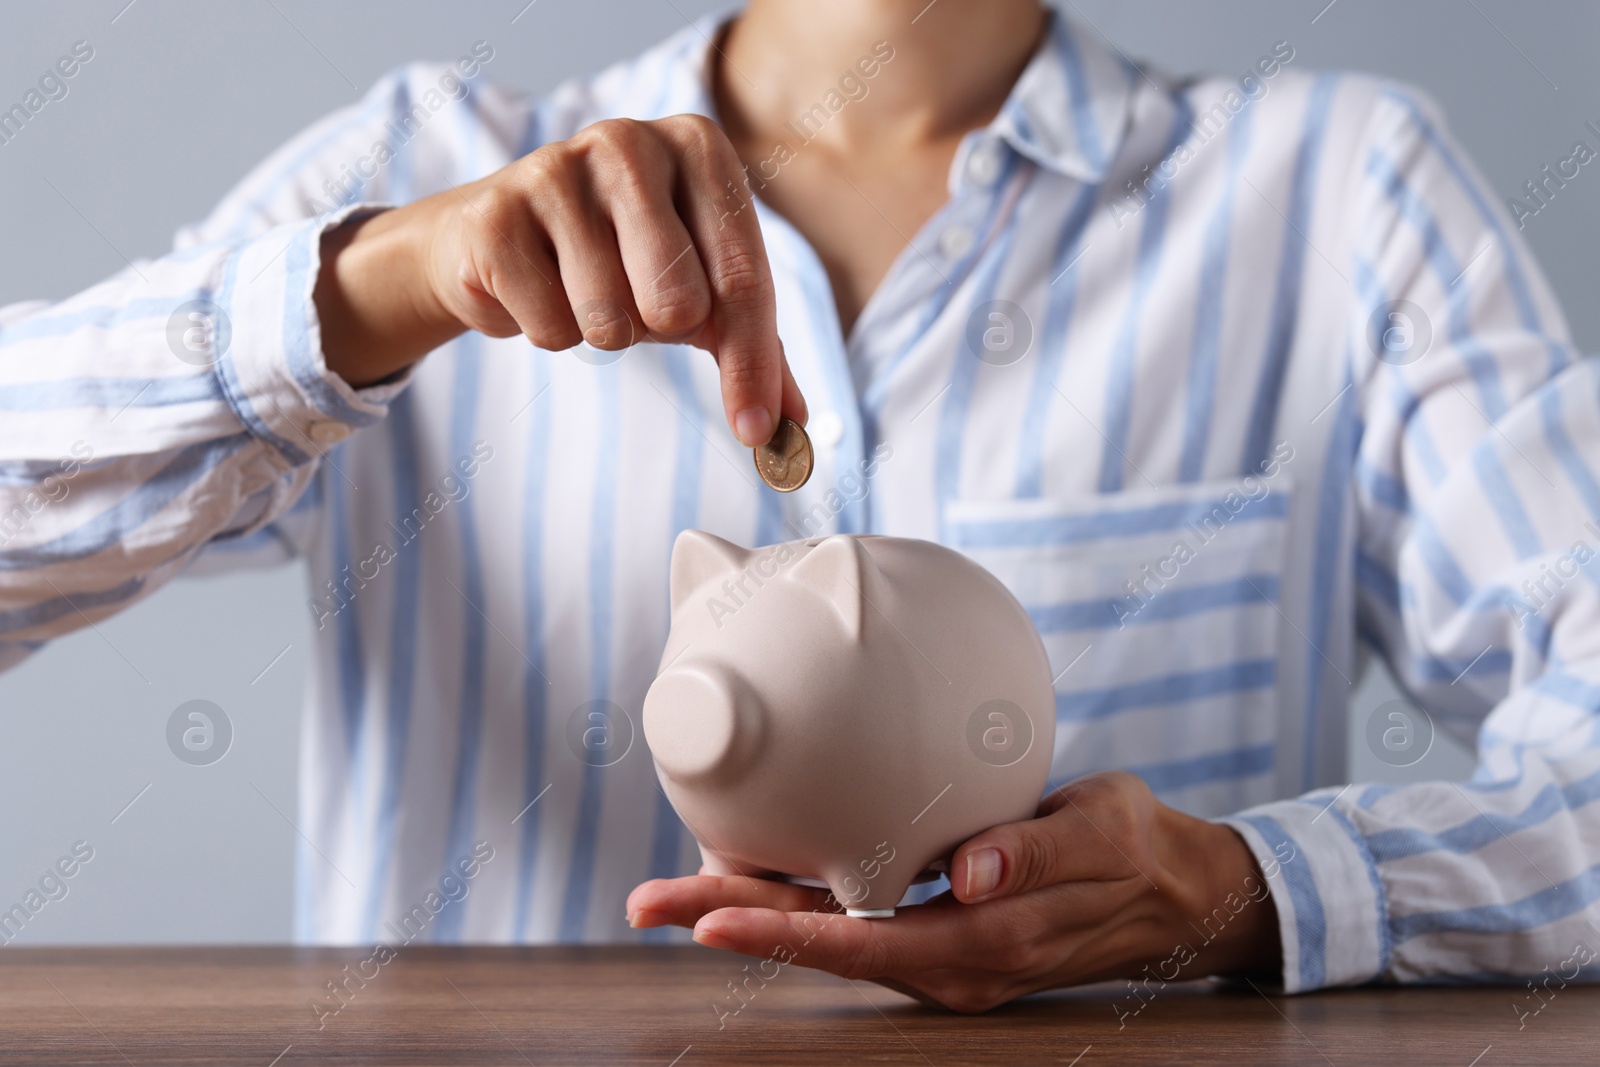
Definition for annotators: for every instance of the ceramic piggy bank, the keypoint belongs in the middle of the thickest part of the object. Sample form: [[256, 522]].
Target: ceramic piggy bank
[[845, 711]]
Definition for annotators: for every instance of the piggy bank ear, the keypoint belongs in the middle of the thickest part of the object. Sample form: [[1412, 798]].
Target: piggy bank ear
[[839, 569], [697, 558]]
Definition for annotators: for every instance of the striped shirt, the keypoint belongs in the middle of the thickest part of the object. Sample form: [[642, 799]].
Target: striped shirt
[[1232, 381]]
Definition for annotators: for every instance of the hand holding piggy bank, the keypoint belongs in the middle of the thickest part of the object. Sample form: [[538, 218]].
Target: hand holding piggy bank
[[846, 710]]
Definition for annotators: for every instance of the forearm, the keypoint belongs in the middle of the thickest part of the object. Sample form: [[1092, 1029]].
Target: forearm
[[149, 416]]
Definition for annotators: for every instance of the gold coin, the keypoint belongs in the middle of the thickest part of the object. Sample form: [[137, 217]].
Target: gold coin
[[785, 462]]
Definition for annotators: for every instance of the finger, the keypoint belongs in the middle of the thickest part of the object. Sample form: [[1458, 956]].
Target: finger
[[1090, 831], [509, 279], [744, 306], [683, 901], [634, 175], [585, 242], [917, 939], [794, 405]]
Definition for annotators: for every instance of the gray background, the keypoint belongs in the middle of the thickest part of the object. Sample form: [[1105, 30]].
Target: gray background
[[182, 99]]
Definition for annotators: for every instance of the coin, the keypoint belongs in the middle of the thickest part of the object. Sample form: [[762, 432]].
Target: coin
[[785, 462]]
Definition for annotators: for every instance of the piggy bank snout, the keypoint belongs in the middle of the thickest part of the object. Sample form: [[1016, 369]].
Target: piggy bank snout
[[700, 722]]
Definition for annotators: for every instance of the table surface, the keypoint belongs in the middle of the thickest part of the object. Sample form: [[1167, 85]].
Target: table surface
[[626, 1005]]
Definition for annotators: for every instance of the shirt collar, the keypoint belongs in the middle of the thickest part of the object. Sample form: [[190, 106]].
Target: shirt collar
[[1068, 111], [687, 80]]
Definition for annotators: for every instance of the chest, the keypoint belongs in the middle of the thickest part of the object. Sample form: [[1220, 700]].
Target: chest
[[857, 209]]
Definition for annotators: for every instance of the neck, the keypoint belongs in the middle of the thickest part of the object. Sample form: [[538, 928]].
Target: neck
[[945, 73]]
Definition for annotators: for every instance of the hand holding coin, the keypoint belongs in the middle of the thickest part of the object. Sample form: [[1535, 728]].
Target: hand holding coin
[[785, 462], [633, 222]]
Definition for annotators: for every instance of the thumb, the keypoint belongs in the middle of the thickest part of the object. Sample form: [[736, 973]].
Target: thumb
[[794, 404], [1013, 858]]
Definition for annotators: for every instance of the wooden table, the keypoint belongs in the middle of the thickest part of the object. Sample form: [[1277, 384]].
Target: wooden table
[[542, 1006]]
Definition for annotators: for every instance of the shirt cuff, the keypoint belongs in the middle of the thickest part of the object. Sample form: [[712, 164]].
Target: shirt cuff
[[1332, 909], [268, 341]]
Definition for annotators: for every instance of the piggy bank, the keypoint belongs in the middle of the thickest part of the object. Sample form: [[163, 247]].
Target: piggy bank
[[845, 711]]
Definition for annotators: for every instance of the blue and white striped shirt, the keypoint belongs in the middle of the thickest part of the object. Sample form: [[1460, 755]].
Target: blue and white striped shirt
[[1132, 366]]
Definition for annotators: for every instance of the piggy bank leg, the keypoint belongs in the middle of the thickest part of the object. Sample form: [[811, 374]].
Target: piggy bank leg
[[717, 863], [868, 898]]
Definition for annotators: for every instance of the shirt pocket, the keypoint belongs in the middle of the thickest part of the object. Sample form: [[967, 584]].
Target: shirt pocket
[[1160, 612]]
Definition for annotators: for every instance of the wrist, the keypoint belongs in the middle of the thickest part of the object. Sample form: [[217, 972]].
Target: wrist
[[375, 300], [1223, 905]]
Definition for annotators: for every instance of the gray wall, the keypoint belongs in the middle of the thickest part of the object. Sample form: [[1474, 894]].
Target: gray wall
[[182, 98]]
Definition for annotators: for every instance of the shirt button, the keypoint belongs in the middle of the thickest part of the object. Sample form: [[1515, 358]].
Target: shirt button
[[827, 429], [956, 242], [983, 164], [327, 433]]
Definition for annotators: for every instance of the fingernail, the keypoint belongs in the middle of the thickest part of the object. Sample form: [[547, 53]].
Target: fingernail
[[646, 917], [983, 872], [711, 939], [754, 426]]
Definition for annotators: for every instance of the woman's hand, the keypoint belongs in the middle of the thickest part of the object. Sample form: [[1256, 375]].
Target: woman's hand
[[1103, 883], [627, 231]]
